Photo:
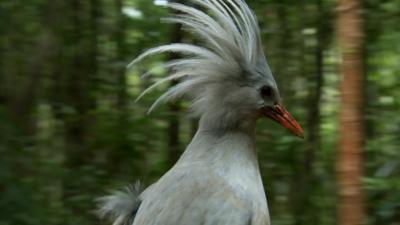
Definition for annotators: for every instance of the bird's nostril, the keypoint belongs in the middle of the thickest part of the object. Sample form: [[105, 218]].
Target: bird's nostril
[[278, 109]]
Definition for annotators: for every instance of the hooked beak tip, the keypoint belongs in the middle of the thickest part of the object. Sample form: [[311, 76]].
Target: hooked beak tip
[[300, 134]]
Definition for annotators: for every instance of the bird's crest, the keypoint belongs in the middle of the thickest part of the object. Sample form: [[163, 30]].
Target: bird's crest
[[230, 51]]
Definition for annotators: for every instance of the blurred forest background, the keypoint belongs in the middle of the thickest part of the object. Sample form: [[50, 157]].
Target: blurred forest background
[[70, 129]]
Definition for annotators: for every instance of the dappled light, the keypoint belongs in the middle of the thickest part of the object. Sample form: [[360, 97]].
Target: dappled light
[[71, 129]]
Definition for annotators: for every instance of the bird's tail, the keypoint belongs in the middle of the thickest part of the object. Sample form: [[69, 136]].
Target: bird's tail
[[120, 206]]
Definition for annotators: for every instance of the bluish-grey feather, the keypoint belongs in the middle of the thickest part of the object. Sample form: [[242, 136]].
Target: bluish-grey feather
[[120, 206], [231, 44]]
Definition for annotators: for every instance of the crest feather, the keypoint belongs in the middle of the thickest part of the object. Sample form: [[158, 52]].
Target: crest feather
[[231, 45]]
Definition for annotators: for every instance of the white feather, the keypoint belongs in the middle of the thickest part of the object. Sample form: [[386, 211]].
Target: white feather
[[230, 50], [120, 206]]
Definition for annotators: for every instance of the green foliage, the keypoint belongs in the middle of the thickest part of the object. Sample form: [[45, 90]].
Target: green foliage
[[71, 130]]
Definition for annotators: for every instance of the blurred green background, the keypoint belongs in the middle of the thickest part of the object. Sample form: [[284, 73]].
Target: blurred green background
[[70, 129]]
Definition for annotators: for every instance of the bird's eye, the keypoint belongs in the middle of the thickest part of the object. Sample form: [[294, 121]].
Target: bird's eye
[[266, 91]]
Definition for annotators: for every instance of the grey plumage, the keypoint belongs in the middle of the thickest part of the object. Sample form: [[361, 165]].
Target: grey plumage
[[121, 205], [231, 52], [217, 180]]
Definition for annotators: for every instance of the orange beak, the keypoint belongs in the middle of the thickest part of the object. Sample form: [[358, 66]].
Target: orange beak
[[282, 116]]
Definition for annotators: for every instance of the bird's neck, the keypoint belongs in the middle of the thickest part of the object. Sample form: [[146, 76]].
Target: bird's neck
[[229, 154], [223, 146]]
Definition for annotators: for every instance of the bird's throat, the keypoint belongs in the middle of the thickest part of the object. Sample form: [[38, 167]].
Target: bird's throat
[[222, 148]]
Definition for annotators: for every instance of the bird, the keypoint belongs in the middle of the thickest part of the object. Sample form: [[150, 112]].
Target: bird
[[230, 86]]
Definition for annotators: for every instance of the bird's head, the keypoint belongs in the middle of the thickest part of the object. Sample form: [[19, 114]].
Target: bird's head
[[226, 76]]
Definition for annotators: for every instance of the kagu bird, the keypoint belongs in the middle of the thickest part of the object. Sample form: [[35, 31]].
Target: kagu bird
[[217, 179]]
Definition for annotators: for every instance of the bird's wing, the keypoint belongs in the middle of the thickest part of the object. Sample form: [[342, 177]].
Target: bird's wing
[[192, 198]]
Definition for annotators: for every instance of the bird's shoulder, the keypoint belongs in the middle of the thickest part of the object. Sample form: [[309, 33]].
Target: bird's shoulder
[[195, 195]]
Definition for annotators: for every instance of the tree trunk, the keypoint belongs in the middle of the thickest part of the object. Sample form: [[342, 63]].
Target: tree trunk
[[122, 146], [350, 160], [119, 37], [307, 186], [284, 42], [174, 108], [24, 103], [95, 14], [81, 68], [315, 93], [77, 85]]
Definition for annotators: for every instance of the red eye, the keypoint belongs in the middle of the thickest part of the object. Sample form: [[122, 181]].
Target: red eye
[[266, 91]]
